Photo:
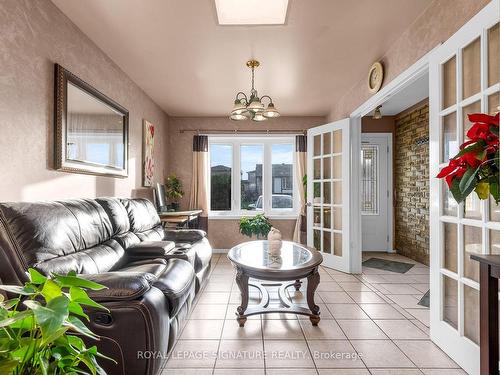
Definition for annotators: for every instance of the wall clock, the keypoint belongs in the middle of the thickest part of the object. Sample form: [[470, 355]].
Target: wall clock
[[375, 77]]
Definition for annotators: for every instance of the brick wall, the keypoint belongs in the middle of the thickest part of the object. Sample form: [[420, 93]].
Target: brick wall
[[411, 183]]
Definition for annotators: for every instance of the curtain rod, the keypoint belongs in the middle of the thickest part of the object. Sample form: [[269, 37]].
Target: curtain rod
[[243, 131]]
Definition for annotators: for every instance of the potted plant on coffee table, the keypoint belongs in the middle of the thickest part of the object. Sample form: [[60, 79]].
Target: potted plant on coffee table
[[257, 225], [173, 191]]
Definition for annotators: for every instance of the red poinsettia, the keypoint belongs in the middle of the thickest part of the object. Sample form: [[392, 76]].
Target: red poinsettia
[[476, 166]]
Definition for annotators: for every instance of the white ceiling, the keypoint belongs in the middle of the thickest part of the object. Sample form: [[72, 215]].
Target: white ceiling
[[407, 97], [189, 65]]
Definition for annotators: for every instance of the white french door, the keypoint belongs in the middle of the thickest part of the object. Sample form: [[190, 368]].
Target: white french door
[[328, 193], [463, 78]]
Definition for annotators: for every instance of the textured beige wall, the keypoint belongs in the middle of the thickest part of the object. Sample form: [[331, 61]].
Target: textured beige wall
[[35, 34], [438, 22], [223, 234]]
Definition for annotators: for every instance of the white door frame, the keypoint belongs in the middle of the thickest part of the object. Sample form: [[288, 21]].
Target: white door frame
[[405, 79], [390, 188]]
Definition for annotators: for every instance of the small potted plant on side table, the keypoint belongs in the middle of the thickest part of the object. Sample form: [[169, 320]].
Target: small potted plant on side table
[[173, 191]]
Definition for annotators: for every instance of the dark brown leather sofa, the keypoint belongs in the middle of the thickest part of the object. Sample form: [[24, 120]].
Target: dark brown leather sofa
[[152, 275]]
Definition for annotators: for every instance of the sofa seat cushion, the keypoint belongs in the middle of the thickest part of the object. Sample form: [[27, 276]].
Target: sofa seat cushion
[[176, 283], [120, 285]]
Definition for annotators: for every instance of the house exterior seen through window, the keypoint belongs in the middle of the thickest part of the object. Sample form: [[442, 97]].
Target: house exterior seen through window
[[250, 175]]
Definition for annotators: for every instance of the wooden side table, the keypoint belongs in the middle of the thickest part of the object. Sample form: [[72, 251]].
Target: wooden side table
[[488, 327], [179, 219]]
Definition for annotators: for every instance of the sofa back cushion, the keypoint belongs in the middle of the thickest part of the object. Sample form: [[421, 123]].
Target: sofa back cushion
[[142, 216], [61, 236]]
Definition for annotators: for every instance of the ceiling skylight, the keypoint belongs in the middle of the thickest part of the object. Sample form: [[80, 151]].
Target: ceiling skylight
[[251, 12]]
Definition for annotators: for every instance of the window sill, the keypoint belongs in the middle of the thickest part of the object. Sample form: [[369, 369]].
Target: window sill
[[238, 217]]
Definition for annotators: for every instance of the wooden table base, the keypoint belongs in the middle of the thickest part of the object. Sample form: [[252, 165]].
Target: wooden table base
[[243, 310]]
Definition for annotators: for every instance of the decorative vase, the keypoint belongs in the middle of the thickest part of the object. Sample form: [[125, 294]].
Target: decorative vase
[[274, 238]]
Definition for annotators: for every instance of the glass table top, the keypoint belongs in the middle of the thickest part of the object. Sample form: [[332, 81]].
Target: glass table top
[[273, 255]]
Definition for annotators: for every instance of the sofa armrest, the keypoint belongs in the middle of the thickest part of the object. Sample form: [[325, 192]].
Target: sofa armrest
[[189, 236], [120, 286], [150, 249]]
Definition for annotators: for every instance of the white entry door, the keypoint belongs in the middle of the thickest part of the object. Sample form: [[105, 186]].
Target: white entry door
[[463, 79], [376, 176], [328, 193]]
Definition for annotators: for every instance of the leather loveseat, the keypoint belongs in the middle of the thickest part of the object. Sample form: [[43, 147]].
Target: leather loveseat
[[152, 275]]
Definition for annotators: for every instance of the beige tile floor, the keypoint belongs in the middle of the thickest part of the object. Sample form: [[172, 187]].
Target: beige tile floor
[[370, 324]]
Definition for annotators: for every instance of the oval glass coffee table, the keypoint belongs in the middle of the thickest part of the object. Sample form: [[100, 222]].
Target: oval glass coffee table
[[256, 260]]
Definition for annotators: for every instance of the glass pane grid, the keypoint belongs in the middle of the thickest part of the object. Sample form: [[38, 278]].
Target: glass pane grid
[[477, 222], [369, 180]]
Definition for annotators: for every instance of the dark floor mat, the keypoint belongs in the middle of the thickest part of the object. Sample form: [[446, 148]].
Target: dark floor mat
[[387, 265], [425, 300]]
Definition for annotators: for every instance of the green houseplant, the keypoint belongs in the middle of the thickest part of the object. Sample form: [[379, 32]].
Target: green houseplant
[[258, 225], [173, 191], [41, 328]]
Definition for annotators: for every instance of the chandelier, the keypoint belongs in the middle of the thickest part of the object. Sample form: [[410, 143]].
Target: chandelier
[[252, 108]]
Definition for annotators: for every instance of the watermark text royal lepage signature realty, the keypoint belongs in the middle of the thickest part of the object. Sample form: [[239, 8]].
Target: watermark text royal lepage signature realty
[[249, 354]]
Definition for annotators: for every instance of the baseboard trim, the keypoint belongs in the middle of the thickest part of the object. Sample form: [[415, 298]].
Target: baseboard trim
[[220, 251]]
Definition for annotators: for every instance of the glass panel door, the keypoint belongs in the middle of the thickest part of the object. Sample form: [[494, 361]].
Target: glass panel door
[[461, 83], [328, 189]]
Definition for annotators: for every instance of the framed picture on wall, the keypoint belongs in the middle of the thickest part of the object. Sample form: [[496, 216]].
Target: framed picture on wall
[[148, 162]]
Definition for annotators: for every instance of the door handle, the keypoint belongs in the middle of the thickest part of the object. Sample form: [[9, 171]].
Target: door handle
[[308, 204]]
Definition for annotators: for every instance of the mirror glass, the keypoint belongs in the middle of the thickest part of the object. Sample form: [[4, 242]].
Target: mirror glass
[[94, 130]]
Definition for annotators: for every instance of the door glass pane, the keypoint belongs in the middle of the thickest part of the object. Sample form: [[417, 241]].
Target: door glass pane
[[495, 242], [317, 239], [327, 217], [327, 168], [473, 243], [327, 242], [471, 69], [337, 141], [337, 192], [317, 169], [450, 246], [337, 218], [473, 207], [494, 55], [450, 143], [494, 103], [471, 108], [316, 193], [449, 203], [327, 143], [337, 166], [327, 191], [337, 244], [221, 162], [471, 313], [282, 175], [494, 210], [369, 180], [317, 145], [317, 216], [251, 177], [450, 301], [449, 82]]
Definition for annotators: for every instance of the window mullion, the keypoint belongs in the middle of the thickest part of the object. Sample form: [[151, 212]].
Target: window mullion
[[236, 205]]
